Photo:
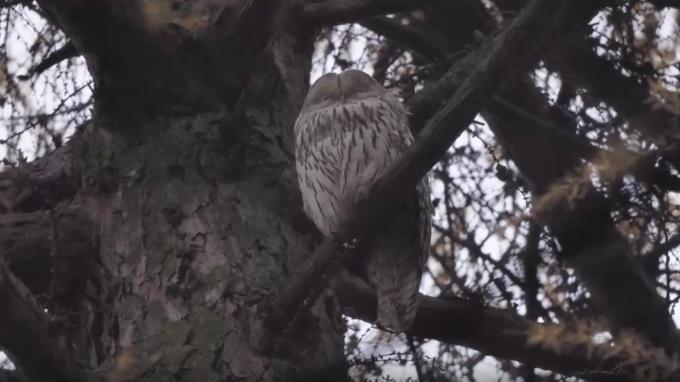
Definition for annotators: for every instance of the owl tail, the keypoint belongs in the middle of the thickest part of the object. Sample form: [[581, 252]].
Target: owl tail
[[398, 300]]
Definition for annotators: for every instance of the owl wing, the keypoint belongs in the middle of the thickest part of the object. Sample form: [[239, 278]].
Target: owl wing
[[399, 245], [318, 170], [379, 137]]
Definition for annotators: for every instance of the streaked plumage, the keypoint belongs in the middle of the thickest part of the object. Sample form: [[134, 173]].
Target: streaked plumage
[[349, 132]]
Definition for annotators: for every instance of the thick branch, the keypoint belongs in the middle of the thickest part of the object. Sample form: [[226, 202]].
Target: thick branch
[[42, 183], [25, 333], [626, 95], [546, 130], [64, 53], [47, 250], [512, 52], [406, 36], [579, 63], [344, 11], [666, 3], [496, 332], [426, 102], [11, 376]]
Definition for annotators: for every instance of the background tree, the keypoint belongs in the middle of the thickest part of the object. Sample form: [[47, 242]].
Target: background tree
[[151, 226]]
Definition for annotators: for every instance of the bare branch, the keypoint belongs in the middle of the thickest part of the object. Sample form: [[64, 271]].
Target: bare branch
[[651, 258]]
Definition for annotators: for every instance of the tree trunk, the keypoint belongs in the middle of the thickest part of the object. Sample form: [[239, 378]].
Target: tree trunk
[[189, 185]]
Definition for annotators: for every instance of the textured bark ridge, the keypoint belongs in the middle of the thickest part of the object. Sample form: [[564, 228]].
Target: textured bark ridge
[[194, 243]]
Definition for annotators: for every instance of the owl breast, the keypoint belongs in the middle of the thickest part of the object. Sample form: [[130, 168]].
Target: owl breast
[[342, 150]]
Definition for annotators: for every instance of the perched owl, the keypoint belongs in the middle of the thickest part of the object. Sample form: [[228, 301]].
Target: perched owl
[[348, 134]]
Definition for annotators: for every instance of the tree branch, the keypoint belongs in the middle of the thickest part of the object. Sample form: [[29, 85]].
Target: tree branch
[[330, 12], [25, 333], [426, 102], [64, 53], [580, 64], [47, 250], [666, 3], [406, 36], [11, 3], [650, 260], [11, 376], [645, 169], [43, 183], [491, 331]]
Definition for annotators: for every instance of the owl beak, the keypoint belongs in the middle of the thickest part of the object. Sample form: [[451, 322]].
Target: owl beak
[[343, 97]]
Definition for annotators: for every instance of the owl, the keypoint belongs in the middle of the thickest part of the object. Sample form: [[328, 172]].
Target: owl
[[349, 132]]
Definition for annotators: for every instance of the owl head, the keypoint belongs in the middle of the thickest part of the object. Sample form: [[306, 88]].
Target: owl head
[[335, 89]]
